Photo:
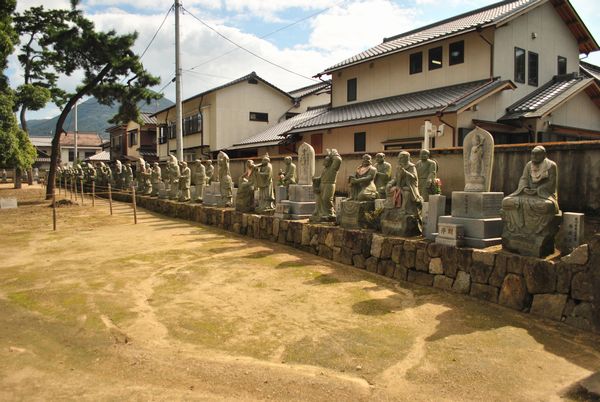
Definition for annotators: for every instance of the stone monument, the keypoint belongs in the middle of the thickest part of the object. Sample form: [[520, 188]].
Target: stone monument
[[402, 213], [244, 200], [531, 214], [4, 176], [324, 188], [128, 173], [476, 208], [263, 181], [300, 202], [352, 214]]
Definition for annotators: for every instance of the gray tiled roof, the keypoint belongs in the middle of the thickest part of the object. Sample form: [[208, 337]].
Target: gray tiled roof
[[488, 15], [590, 70], [414, 104], [551, 92], [148, 118], [310, 89], [273, 135]]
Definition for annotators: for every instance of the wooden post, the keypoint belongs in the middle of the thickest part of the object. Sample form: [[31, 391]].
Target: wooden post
[[71, 184], [54, 209], [93, 193], [81, 187], [134, 205], [110, 198]]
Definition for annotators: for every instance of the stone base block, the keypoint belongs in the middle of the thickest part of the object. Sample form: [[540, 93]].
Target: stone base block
[[532, 244], [395, 222], [482, 243], [211, 199], [477, 228], [281, 193], [450, 242], [301, 193], [294, 210], [163, 194], [476, 205], [352, 214]]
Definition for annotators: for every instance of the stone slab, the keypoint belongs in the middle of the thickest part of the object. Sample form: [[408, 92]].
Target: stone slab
[[8, 203], [476, 205], [436, 207], [451, 231], [476, 228], [572, 231], [281, 193], [482, 243], [301, 193], [299, 208]]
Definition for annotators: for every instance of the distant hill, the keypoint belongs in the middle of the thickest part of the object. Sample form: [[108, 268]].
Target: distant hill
[[92, 116]]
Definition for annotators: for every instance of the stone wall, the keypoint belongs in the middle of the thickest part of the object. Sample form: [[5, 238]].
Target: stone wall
[[578, 163], [567, 290]]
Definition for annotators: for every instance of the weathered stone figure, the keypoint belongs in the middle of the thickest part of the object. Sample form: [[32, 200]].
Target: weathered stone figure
[[362, 185], [289, 174], [4, 176], [264, 182], [244, 199], [155, 178], [210, 171], [185, 181], [199, 180], [226, 184], [531, 214], [128, 172], [118, 175], [324, 187], [140, 169], [478, 158], [384, 174], [92, 173], [427, 172], [174, 173]]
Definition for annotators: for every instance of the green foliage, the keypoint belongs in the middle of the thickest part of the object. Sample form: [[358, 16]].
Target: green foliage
[[34, 97]]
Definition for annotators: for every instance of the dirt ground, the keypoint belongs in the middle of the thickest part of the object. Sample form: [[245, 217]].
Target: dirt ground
[[103, 309]]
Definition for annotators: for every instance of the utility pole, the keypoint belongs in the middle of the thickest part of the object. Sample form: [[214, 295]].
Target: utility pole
[[178, 115], [75, 141]]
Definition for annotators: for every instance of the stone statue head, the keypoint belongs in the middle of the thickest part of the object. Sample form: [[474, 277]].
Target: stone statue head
[[538, 154], [183, 164], [198, 162], [380, 157], [266, 159], [424, 155], [403, 158], [209, 162], [155, 164], [287, 160], [249, 164], [366, 160]]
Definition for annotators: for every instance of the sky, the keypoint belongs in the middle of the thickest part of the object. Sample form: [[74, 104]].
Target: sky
[[326, 32]]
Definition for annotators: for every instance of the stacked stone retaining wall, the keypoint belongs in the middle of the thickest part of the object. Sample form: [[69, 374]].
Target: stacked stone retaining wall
[[565, 290]]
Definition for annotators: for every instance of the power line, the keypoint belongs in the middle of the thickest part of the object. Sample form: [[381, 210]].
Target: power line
[[207, 74], [273, 32], [157, 31], [249, 51]]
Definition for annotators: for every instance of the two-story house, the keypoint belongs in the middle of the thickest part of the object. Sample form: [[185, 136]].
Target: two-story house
[[511, 68], [220, 117], [88, 144], [134, 140]]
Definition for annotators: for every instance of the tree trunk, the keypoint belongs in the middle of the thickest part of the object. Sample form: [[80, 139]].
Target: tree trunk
[[17, 178], [59, 129]]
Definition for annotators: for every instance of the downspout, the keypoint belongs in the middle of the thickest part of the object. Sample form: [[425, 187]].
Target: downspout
[[201, 128], [479, 30]]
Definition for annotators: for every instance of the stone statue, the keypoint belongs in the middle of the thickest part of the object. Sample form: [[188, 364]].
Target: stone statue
[[4, 176], [128, 175], [531, 214], [174, 173], [147, 180], [226, 184], [199, 180], [155, 178], [427, 172], [118, 175], [289, 174], [324, 187], [210, 171], [478, 157], [244, 199], [402, 214], [362, 185], [140, 169], [263, 180], [92, 173], [185, 181], [306, 161], [384, 174]]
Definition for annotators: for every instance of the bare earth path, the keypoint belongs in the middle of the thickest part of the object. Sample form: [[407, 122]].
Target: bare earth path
[[169, 310]]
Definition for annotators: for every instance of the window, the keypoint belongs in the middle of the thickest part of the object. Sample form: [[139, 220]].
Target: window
[[256, 116], [89, 154], [457, 53], [351, 89], [562, 65], [416, 63], [162, 134], [360, 142], [519, 65], [192, 124], [435, 58], [71, 156], [115, 143], [132, 137], [171, 130], [532, 66]]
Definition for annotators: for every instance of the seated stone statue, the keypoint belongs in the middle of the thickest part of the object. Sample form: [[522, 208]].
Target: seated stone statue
[[244, 200], [384, 174], [530, 213], [289, 174], [185, 181], [427, 173], [362, 186]]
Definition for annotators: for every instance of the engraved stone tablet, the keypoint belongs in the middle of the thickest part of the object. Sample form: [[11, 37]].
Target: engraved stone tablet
[[572, 230], [306, 164], [8, 203]]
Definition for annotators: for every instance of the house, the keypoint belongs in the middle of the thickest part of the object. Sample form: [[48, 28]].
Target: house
[[88, 144], [512, 68], [223, 116], [134, 140]]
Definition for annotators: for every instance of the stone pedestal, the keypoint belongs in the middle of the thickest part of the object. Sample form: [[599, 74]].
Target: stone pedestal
[[533, 245], [450, 234], [281, 193], [300, 203], [432, 211], [352, 214], [163, 194], [212, 195], [395, 222], [479, 214]]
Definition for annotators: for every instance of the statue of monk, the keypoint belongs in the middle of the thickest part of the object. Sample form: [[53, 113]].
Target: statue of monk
[[362, 185], [210, 171], [324, 187], [200, 180], [185, 181], [155, 178], [384, 174], [225, 182], [244, 200], [128, 173], [403, 190], [264, 182], [427, 173], [289, 174], [174, 173]]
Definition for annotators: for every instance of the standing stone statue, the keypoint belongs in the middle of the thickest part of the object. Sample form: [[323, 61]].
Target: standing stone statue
[[402, 213], [148, 180], [264, 182], [92, 173], [210, 171], [384, 174], [118, 175], [185, 181], [427, 172], [140, 169], [478, 157], [244, 199], [155, 178], [199, 180], [289, 174], [531, 215], [174, 173], [324, 187], [128, 171], [226, 184], [362, 183]]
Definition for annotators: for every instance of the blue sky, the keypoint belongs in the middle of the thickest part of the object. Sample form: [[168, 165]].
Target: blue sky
[[344, 28]]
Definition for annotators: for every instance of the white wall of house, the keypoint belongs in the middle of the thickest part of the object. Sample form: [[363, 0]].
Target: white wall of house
[[580, 112]]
